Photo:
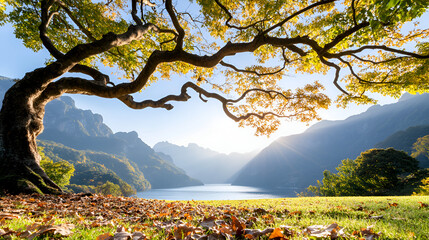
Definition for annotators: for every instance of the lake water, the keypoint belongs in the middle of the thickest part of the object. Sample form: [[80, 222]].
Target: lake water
[[217, 192]]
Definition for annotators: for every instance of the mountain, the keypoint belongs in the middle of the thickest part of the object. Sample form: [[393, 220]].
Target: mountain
[[5, 84], [63, 116], [204, 164], [161, 173], [299, 160], [95, 168], [124, 154], [83, 130], [404, 140]]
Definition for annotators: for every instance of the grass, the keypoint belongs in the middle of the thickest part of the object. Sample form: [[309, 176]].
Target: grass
[[400, 217], [391, 217]]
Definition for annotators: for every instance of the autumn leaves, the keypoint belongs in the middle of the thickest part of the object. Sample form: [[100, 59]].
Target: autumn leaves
[[116, 218]]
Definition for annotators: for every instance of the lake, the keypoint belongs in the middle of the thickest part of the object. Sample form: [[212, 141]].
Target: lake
[[217, 192]]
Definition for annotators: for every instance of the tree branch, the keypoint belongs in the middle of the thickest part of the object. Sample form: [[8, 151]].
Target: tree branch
[[230, 18], [177, 26], [162, 103], [374, 62], [322, 2], [252, 71], [337, 73], [354, 12], [134, 12], [255, 72], [345, 34], [99, 77], [376, 47], [76, 21], [46, 18], [361, 80]]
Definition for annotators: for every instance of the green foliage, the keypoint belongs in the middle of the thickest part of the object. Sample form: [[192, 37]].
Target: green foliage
[[374, 172], [421, 147], [423, 190], [102, 166], [91, 174], [380, 169], [60, 172], [81, 188], [94, 175], [109, 188], [307, 36]]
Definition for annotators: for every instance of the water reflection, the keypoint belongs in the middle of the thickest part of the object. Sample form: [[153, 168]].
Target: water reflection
[[217, 192]]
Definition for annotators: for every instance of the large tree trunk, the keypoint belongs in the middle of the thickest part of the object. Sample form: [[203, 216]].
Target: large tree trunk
[[20, 123]]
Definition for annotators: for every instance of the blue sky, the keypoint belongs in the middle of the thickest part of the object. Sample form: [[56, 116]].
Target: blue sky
[[190, 122]]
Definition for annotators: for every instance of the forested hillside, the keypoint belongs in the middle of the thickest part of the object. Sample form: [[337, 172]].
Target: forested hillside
[[299, 160], [404, 140], [80, 137]]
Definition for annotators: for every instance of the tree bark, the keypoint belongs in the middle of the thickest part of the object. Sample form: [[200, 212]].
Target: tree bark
[[20, 123]]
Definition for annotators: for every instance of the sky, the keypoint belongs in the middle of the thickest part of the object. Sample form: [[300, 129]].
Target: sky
[[189, 122]]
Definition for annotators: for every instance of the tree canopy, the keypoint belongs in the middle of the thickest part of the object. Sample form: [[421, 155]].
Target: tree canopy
[[373, 172], [369, 46], [60, 172], [421, 147], [374, 43]]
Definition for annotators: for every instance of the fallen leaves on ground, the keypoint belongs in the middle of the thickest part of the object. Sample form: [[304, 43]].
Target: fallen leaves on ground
[[366, 233], [423, 205], [332, 231], [37, 229], [155, 219]]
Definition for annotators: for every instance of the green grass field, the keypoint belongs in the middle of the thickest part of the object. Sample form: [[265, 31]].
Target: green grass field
[[103, 217]]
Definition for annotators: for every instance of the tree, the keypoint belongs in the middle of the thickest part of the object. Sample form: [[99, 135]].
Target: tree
[[109, 188], [345, 182], [423, 190], [60, 172], [374, 172], [197, 39], [421, 147], [380, 169]]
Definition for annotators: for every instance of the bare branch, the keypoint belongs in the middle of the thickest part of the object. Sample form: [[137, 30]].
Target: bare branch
[[162, 103], [99, 77], [374, 62], [228, 65], [252, 71], [361, 80], [376, 47], [192, 18]]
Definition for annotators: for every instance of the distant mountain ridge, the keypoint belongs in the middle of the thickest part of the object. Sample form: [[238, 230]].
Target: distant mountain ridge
[[63, 116], [299, 160], [205, 164], [404, 140], [82, 130]]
